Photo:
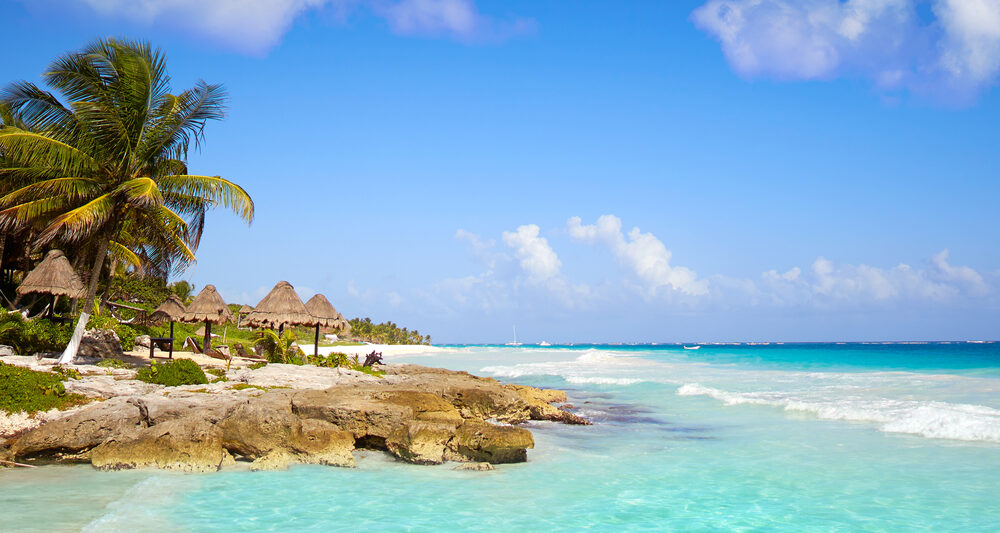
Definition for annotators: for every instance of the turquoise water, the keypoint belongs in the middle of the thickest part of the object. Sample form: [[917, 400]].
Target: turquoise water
[[724, 438]]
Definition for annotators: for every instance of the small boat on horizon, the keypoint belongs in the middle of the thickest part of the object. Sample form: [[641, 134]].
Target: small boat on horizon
[[515, 343], [692, 347], [543, 343]]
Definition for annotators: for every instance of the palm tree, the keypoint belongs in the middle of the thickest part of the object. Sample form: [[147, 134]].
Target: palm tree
[[107, 171]]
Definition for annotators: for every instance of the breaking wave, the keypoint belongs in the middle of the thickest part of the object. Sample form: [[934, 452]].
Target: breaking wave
[[592, 367], [932, 419]]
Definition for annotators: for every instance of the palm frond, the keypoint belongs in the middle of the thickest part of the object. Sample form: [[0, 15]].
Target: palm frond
[[70, 188], [79, 223], [141, 192], [213, 188], [40, 150]]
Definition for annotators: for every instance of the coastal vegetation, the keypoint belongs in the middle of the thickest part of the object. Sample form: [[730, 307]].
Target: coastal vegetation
[[31, 336], [30, 391], [386, 333], [98, 165], [173, 373]]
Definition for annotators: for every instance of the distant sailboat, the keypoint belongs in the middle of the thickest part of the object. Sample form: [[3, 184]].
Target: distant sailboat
[[515, 343], [543, 343]]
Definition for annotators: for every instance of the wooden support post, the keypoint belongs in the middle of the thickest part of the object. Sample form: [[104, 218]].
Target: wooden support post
[[208, 336], [316, 351]]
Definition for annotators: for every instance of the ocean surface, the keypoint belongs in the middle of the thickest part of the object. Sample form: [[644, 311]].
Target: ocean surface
[[778, 437]]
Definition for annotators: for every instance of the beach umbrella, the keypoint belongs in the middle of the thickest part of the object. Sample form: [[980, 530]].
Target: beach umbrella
[[325, 314], [208, 307], [281, 307], [171, 309], [55, 276]]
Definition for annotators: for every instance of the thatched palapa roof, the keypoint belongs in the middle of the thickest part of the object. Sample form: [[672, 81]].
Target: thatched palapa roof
[[246, 309], [54, 275], [208, 307], [327, 315], [172, 309], [281, 306]]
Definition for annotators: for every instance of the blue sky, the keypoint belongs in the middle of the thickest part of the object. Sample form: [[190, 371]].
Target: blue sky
[[808, 170]]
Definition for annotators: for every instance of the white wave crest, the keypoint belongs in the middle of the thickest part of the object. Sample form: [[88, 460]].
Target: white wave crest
[[932, 419], [590, 367], [601, 380]]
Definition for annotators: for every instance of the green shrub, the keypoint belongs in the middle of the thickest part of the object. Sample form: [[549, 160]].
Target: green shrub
[[22, 389], [259, 364], [280, 349], [32, 336], [114, 363], [65, 372], [173, 373]]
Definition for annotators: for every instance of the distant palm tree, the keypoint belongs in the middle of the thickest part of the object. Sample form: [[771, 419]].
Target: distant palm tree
[[107, 169]]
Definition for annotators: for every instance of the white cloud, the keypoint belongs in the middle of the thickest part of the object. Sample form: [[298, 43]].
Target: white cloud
[[642, 253], [538, 260], [454, 17], [956, 54], [257, 25], [829, 284]]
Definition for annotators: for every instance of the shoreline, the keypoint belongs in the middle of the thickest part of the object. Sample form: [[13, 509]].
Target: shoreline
[[278, 415]]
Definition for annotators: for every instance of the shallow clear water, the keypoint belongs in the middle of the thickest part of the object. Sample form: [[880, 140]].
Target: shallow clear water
[[725, 438]]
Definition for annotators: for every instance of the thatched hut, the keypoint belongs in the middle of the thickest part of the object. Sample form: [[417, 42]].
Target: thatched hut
[[282, 306], [244, 311], [171, 309], [55, 276], [326, 315], [208, 307]]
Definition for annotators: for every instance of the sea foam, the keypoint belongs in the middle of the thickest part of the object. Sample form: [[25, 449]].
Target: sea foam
[[932, 419], [593, 367]]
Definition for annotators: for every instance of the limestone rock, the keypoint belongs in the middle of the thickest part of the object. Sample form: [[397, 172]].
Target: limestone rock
[[81, 430], [540, 405], [473, 396], [421, 442], [6, 351], [321, 442], [265, 429], [425, 406], [185, 444], [475, 467], [102, 343], [480, 441], [142, 342]]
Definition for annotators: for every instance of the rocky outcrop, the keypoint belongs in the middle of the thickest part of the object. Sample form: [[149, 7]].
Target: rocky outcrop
[[419, 415], [6, 351], [540, 405], [185, 444], [142, 342], [488, 443], [102, 343]]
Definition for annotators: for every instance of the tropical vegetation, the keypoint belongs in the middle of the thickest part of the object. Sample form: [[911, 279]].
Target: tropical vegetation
[[173, 373], [97, 166], [385, 333], [22, 389]]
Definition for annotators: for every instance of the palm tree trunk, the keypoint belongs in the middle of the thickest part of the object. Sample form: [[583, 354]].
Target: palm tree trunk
[[88, 304]]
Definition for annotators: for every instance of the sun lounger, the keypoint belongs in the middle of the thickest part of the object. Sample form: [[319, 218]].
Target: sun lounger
[[192, 344]]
